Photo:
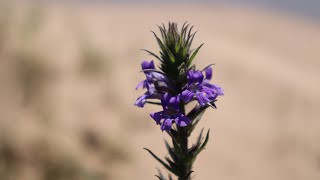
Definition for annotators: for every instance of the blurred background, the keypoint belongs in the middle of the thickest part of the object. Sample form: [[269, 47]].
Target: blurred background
[[68, 70]]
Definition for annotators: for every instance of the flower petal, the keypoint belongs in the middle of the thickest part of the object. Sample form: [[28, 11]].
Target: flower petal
[[165, 100], [212, 96], [157, 116], [182, 121], [202, 99], [218, 89], [170, 102], [147, 65], [174, 102], [208, 72], [141, 84], [194, 77], [142, 100], [166, 125], [187, 95]]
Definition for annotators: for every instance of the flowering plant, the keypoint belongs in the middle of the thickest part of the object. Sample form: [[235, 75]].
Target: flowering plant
[[176, 84]]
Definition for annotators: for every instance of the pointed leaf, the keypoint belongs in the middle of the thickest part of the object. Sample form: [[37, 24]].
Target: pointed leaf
[[182, 69], [153, 54], [160, 43], [160, 161], [162, 32], [161, 177], [207, 67], [172, 164], [171, 152], [195, 147], [154, 103], [190, 40], [194, 54], [177, 149], [153, 70], [195, 115], [171, 56], [203, 144], [187, 176], [200, 136]]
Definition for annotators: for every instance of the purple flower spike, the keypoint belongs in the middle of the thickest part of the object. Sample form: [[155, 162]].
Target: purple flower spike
[[200, 88], [170, 114]]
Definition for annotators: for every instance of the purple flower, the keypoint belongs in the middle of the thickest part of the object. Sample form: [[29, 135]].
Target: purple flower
[[147, 83], [142, 100], [170, 113], [199, 87], [155, 83], [145, 65]]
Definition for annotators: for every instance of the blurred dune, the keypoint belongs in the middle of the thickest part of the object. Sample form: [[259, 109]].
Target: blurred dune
[[68, 72]]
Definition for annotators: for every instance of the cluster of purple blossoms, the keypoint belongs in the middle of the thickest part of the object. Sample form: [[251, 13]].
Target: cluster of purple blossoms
[[159, 87]]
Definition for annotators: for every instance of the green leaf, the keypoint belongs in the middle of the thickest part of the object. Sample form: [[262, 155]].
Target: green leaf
[[171, 56], [161, 177], [187, 176], [190, 39], [172, 164], [171, 152], [182, 69], [200, 136], [194, 54], [184, 30], [162, 32], [207, 67], [177, 149], [153, 70], [195, 147], [154, 103], [195, 115], [203, 144], [153, 54], [160, 161], [160, 43]]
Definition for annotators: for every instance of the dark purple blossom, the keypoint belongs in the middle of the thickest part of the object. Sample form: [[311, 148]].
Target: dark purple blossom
[[142, 100], [145, 65], [155, 83], [170, 114], [200, 88], [148, 84]]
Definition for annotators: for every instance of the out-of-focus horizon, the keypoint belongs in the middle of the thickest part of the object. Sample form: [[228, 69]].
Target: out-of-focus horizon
[[68, 73], [306, 8]]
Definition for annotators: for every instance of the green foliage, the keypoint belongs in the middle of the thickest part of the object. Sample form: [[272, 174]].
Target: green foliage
[[176, 55], [161, 176]]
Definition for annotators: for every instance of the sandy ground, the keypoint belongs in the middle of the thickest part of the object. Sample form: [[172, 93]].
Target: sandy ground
[[267, 124]]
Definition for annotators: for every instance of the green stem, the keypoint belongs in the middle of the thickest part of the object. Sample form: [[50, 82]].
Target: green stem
[[186, 167]]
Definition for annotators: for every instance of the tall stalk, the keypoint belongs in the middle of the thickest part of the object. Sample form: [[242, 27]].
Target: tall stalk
[[176, 84]]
